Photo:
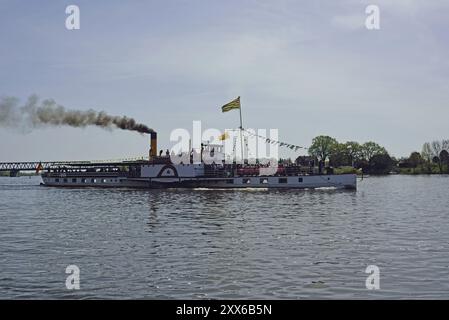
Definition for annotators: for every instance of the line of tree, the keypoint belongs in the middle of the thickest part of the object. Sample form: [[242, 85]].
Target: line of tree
[[434, 158], [369, 156], [372, 158]]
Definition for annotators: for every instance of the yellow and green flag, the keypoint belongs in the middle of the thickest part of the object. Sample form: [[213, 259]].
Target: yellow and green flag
[[234, 104], [224, 136]]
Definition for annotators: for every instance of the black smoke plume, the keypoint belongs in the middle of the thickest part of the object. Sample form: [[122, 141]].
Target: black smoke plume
[[37, 114]]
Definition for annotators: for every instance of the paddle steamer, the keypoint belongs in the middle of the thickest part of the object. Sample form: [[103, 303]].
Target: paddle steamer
[[162, 172]]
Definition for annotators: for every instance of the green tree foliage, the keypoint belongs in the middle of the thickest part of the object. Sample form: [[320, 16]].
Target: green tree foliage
[[373, 158], [434, 155], [380, 163], [415, 159], [426, 154], [345, 154], [436, 149], [444, 159], [322, 147], [370, 149], [339, 156], [354, 150], [370, 156]]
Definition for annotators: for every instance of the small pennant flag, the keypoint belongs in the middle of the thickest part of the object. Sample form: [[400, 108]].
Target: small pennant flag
[[234, 104]]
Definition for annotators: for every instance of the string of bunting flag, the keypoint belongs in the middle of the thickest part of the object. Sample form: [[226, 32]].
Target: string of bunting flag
[[235, 104], [271, 141]]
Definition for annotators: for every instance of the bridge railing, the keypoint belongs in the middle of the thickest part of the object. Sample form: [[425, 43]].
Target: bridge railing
[[45, 165]]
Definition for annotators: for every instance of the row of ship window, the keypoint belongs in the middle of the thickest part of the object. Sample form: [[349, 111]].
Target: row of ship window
[[229, 181], [262, 180], [93, 180]]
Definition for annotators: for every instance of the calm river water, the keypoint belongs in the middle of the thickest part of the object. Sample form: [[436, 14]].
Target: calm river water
[[226, 244]]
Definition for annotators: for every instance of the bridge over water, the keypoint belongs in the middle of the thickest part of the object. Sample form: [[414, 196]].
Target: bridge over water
[[15, 167]]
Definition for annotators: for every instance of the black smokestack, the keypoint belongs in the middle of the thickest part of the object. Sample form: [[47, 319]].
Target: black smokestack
[[49, 113]]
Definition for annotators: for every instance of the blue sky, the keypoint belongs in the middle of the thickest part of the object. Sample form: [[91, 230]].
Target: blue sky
[[304, 67]]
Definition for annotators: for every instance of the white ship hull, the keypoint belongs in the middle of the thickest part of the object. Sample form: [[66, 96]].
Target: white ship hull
[[343, 181]]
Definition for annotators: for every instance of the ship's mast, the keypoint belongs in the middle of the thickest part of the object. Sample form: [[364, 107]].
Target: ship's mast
[[241, 133]]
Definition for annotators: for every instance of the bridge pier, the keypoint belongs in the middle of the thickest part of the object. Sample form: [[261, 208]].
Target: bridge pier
[[14, 173]]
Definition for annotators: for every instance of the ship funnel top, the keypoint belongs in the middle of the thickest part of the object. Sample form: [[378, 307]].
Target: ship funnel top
[[153, 144]]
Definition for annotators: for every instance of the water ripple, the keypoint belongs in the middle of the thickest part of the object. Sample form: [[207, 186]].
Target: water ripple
[[227, 244]]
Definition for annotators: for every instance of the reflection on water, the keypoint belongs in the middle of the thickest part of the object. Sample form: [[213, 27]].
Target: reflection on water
[[226, 243]]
